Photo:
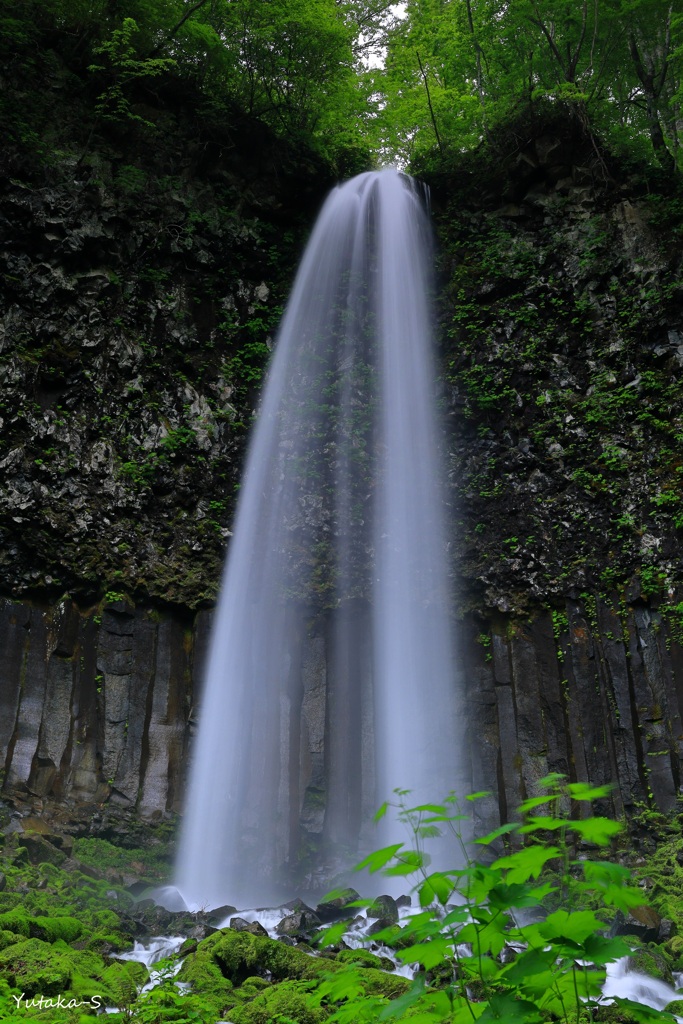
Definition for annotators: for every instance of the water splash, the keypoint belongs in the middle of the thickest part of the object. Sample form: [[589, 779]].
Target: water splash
[[340, 506]]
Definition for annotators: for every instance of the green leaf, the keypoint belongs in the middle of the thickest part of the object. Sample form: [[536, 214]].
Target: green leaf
[[435, 887], [409, 861], [642, 1013], [397, 1007], [478, 967], [332, 935], [597, 830], [380, 813], [526, 863], [530, 963], [429, 953], [457, 916], [487, 938], [584, 791], [503, 896], [479, 795], [466, 1012], [429, 809], [428, 831], [551, 781], [509, 1009], [575, 926], [376, 860], [503, 830], [544, 823], [602, 872], [601, 950], [534, 801]]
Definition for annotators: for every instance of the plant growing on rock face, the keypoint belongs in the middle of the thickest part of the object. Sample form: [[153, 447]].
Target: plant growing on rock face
[[554, 965]]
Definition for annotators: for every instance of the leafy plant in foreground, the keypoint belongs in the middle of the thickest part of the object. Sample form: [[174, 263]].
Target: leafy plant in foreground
[[554, 969]]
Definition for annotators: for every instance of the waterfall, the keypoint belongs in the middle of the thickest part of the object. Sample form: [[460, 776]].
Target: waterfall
[[341, 507]]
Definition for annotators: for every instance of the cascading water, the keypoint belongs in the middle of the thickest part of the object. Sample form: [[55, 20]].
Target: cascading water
[[340, 506]]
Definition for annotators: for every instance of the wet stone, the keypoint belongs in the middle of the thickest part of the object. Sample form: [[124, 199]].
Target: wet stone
[[299, 923], [238, 924], [338, 907]]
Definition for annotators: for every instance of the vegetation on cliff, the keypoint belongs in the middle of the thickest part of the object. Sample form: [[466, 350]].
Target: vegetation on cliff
[[287, 65], [162, 164], [562, 280]]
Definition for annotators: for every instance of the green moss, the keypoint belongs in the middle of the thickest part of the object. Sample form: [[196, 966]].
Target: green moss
[[110, 940], [202, 972], [7, 938], [152, 862], [106, 919], [664, 872], [288, 1001], [52, 928], [653, 961], [364, 958], [240, 955], [15, 921], [36, 967]]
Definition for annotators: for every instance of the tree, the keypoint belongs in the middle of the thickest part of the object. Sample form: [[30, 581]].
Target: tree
[[617, 62]]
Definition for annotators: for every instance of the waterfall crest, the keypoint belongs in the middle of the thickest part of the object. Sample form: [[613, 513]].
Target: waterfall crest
[[341, 506]]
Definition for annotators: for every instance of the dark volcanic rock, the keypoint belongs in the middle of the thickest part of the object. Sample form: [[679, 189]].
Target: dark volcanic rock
[[337, 908], [238, 924], [643, 922]]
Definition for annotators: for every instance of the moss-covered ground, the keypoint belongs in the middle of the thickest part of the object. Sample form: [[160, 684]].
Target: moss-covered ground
[[63, 923]]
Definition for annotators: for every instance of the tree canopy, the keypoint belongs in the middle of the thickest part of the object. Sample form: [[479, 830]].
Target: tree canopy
[[454, 70]]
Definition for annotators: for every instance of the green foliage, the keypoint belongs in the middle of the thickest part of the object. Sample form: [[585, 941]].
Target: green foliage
[[122, 66], [152, 861], [288, 63], [467, 920], [456, 71]]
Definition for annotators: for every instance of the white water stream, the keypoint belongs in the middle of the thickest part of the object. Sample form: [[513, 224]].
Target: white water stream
[[341, 500], [620, 980]]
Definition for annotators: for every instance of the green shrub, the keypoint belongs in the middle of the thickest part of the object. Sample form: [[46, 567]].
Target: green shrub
[[467, 919]]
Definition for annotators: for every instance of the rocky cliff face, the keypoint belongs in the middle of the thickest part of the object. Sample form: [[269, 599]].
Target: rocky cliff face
[[562, 324], [137, 313], [97, 708], [138, 306]]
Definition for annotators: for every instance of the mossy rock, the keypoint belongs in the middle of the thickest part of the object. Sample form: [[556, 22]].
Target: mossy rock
[[612, 1015], [8, 938], [52, 928], [290, 1000], [201, 971], [239, 955], [36, 967], [675, 1006], [106, 942], [652, 962], [255, 984], [15, 921], [50, 968], [107, 920], [364, 958]]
